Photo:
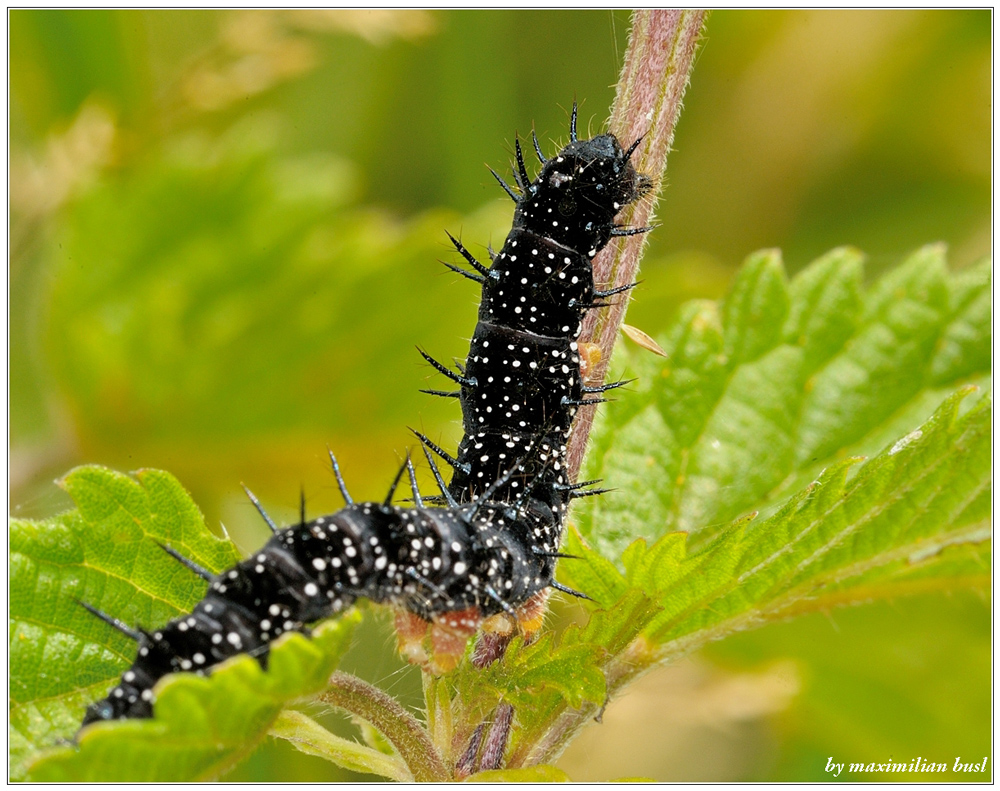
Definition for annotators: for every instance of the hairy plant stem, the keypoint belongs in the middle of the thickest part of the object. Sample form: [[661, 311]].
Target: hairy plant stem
[[437, 704], [658, 62], [401, 728]]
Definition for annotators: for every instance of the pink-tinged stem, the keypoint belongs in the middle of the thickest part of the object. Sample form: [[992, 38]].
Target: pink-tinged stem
[[658, 62]]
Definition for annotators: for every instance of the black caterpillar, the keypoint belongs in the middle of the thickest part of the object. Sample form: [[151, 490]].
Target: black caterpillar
[[490, 541]]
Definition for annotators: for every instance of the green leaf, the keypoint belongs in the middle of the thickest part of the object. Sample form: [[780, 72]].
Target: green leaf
[[754, 312], [62, 658], [534, 774], [527, 671], [915, 517], [615, 629], [588, 571], [104, 553], [544, 678], [203, 725], [539, 676], [760, 393], [964, 347]]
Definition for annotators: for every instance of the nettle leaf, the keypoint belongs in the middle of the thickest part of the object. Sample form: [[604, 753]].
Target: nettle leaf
[[543, 773], [530, 674], [915, 517], [203, 725], [544, 672], [571, 669], [760, 393], [106, 553]]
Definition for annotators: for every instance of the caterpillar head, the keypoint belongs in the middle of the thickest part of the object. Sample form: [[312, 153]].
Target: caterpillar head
[[603, 174], [579, 192]]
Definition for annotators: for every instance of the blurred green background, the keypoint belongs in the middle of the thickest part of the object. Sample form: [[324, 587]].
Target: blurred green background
[[223, 233]]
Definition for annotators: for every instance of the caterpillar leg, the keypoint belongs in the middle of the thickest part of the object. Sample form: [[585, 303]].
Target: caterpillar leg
[[438, 645], [411, 631], [590, 358], [449, 634], [498, 630]]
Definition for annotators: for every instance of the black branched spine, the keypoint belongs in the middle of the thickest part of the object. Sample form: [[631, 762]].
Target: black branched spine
[[495, 541]]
